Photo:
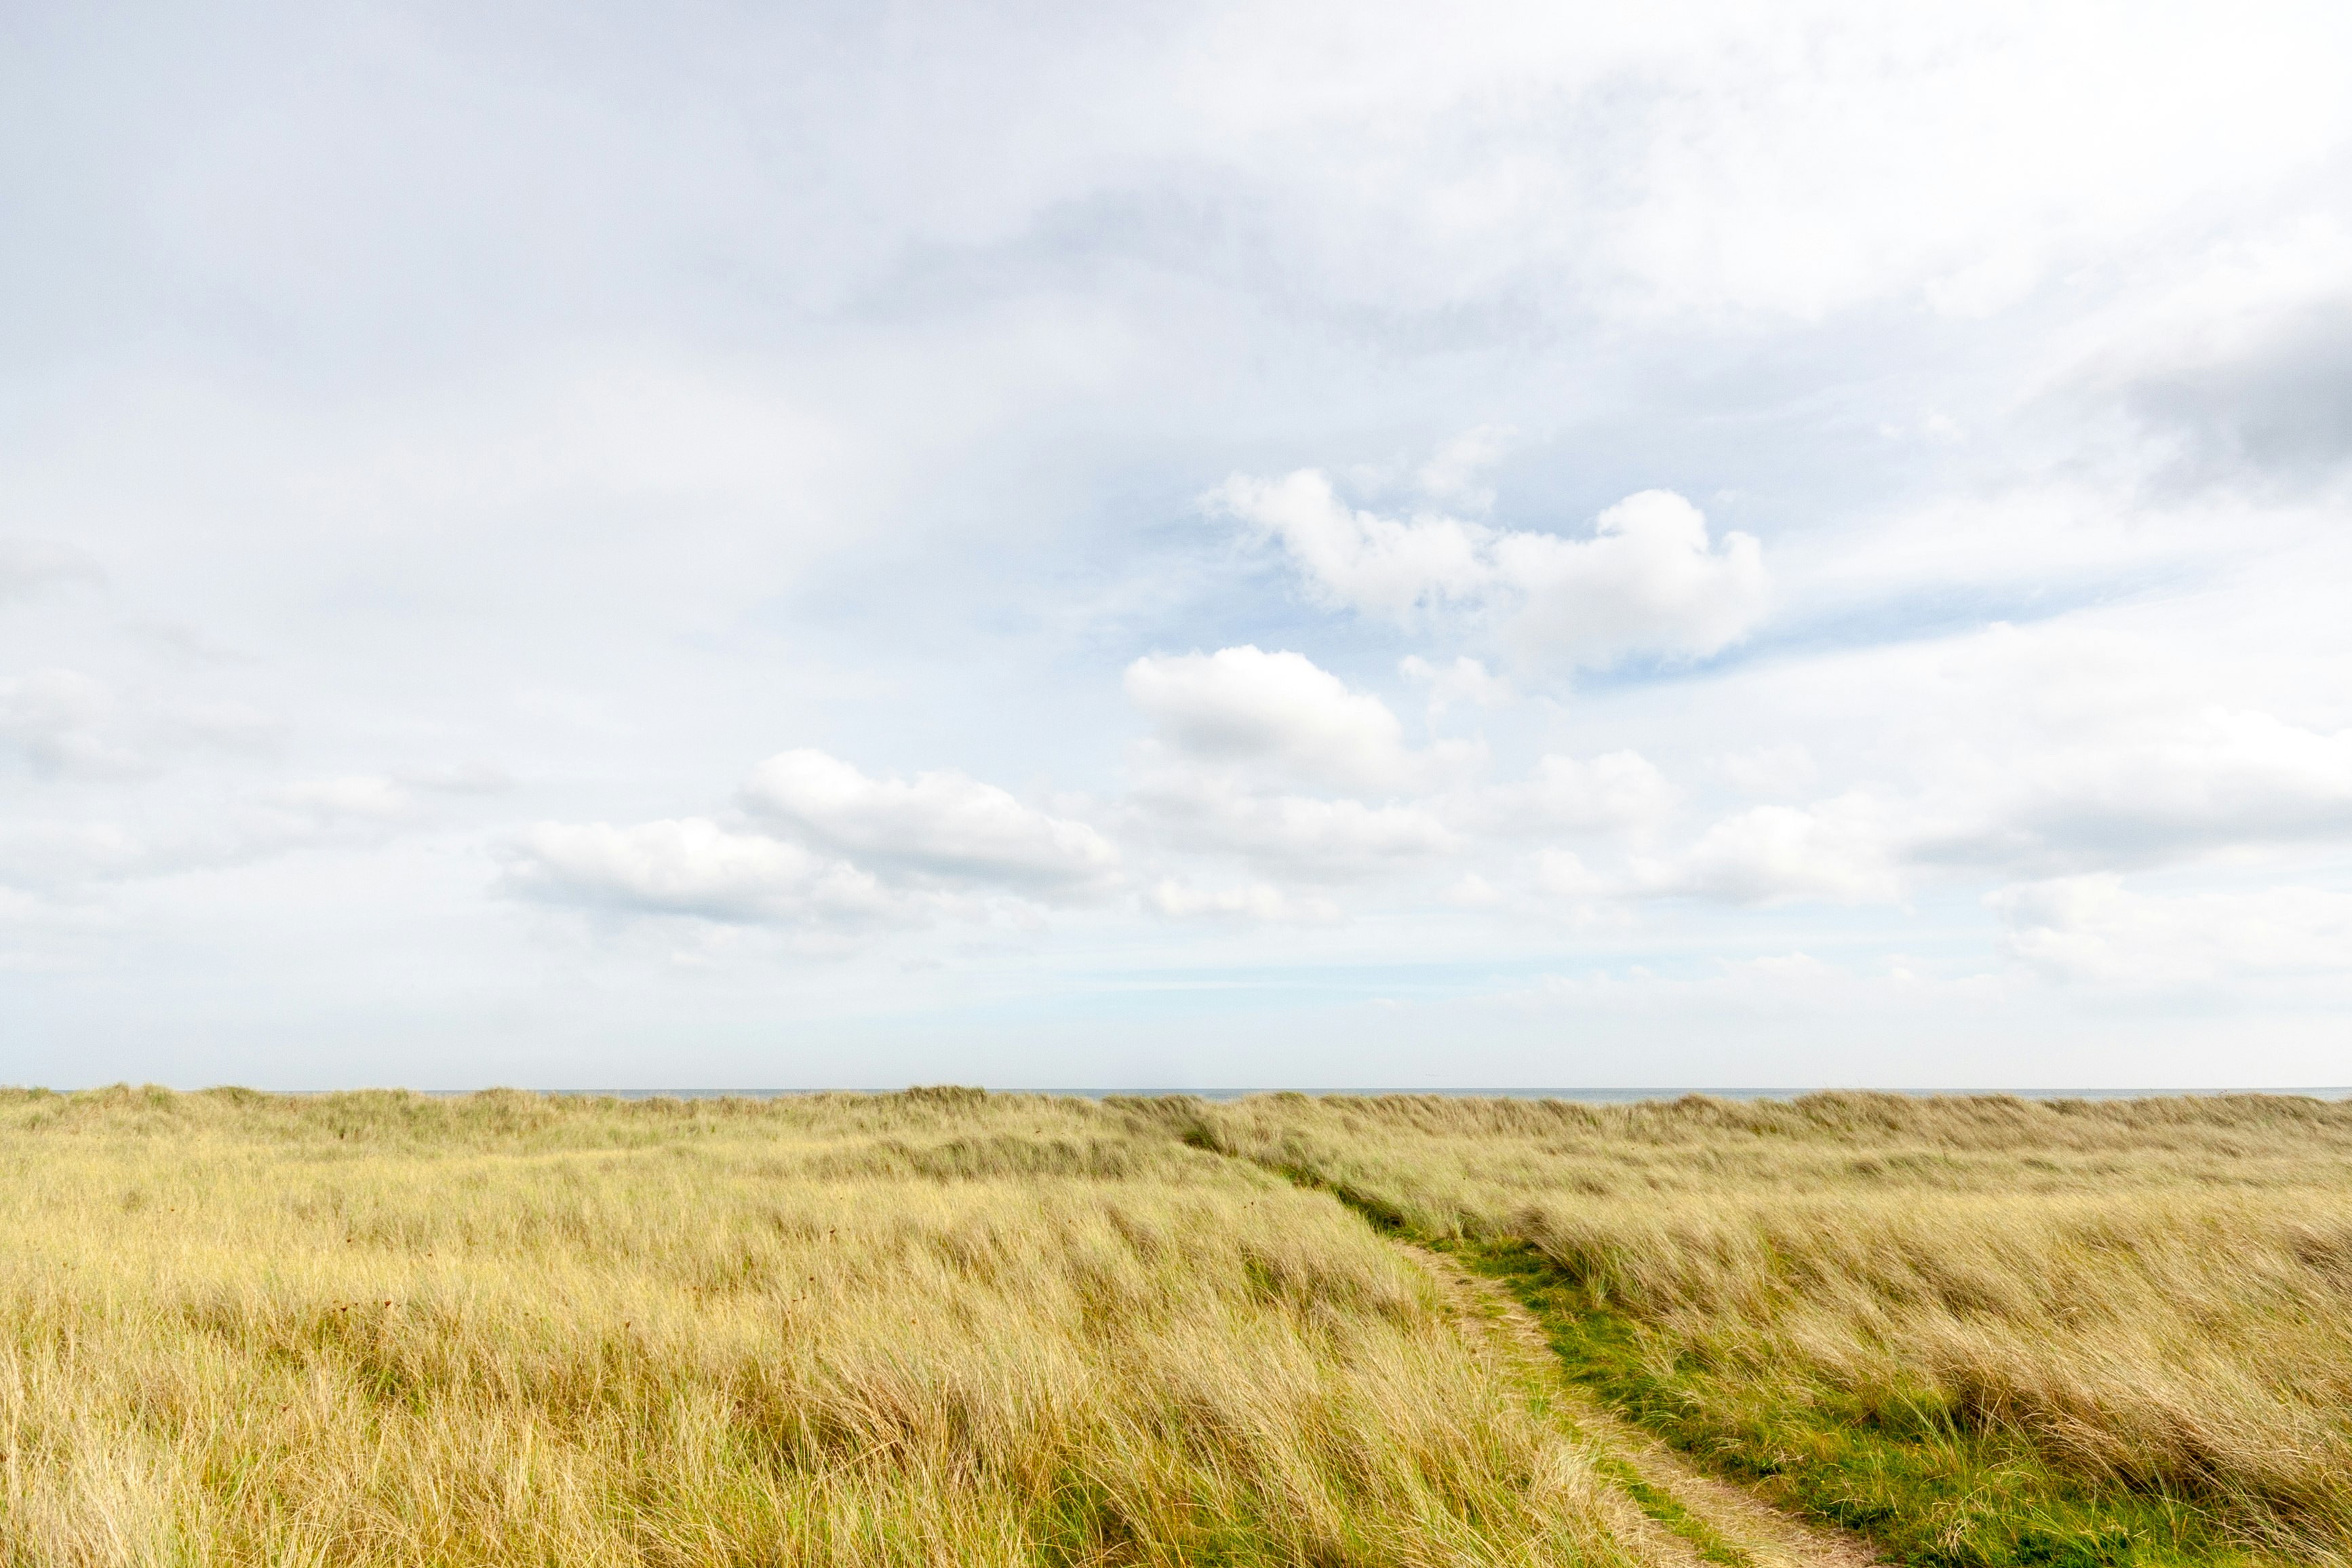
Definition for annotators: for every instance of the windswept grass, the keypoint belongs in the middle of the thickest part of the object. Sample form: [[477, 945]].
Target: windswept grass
[[1987, 1330], [933, 1327], [949, 1328]]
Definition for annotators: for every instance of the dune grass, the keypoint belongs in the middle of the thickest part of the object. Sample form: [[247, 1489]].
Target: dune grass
[[933, 1328], [1982, 1329], [949, 1328]]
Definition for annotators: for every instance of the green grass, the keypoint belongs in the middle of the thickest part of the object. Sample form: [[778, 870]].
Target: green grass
[[1974, 1330], [1899, 1468], [1663, 1507], [1658, 1505]]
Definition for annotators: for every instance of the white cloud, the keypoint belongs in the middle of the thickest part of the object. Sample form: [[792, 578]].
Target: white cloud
[[2070, 776], [1781, 769], [2093, 928], [837, 847], [1562, 874], [1649, 580], [1303, 834], [358, 795], [834, 846], [1358, 560], [2143, 792], [1617, 790], [2088, 769], [940, 825], [1235, 732], [693, 866], [1841, 850], [1261, 902], [1454, 475], [1465, 681], [1278, 711], [1472, 892]]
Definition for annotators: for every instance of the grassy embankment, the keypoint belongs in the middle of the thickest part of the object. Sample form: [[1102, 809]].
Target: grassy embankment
[[382, 1329], [1982, 1330]]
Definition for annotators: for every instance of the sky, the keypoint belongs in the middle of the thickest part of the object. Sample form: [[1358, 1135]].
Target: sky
[[1176, 545]]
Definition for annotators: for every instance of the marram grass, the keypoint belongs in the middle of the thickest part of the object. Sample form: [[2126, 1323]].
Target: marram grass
[[928, 1329], [949, 1328], [1985, 1330]]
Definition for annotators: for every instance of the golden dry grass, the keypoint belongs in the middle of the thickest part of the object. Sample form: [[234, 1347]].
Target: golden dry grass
[[947, 1327], [2155, 1295], [237, 1329]]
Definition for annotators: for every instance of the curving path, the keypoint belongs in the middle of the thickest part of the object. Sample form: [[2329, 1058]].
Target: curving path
[[1719, 1522]]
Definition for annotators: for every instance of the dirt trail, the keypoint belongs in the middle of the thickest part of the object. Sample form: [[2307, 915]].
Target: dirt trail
[[1767, 1537]]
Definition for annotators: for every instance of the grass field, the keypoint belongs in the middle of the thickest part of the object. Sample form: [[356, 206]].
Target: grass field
[[942, 1327], [1983, 1331], [935, 1328]]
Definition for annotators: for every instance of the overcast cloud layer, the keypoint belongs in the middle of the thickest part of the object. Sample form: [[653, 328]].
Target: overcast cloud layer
[[1177, 546]]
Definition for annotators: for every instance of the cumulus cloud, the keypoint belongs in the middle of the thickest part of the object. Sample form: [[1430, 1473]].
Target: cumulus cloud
[[2053, 754], [2095, 929], [693, 866], [820, 842], [1649, 580], [942, 825], [1279, 711], [1358, 560], [1237, 733]]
